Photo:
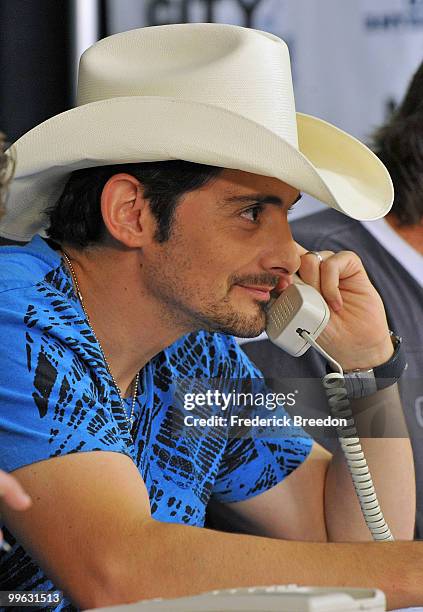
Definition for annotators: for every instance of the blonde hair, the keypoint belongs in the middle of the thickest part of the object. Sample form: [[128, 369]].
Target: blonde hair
[[7, 168]]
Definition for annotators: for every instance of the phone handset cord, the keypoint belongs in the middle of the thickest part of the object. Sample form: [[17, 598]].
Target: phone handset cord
[[334, 384]]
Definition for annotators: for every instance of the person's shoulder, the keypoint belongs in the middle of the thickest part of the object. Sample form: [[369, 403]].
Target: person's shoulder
[[26, 265], [36, 294]]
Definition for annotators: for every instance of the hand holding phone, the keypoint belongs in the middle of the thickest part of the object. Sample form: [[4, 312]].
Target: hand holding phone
[[357, 333], [301, 307]]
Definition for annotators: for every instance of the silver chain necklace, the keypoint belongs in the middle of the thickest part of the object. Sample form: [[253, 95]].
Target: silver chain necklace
[[129, 420]]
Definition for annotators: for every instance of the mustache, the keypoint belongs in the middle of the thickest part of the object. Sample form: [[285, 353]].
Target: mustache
[[254, 279]]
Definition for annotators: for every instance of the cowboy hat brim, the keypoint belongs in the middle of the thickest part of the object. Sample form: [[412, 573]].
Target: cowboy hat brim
[[330, 165]]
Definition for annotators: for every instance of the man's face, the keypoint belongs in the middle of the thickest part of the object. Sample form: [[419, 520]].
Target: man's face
[[230, 245]]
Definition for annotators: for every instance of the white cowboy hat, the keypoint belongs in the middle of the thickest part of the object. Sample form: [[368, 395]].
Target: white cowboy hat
[[207, 93]]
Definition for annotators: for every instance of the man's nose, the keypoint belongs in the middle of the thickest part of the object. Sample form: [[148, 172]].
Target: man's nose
[[280, 252]]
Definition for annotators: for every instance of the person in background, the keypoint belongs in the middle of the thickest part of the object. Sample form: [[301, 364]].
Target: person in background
[[10, 489], [392, 253], [6, 171]]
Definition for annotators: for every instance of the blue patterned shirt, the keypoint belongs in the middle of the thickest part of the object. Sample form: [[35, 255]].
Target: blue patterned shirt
[[57, 398]]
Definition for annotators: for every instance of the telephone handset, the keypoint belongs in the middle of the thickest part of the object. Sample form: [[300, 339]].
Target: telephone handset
[[300, 306], [295, 319]]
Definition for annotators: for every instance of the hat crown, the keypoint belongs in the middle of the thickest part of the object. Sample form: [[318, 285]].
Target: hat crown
[[206, 93], [244, 71]]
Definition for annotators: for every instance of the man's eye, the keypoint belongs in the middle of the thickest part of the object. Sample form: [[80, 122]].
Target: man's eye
[[252, 213]]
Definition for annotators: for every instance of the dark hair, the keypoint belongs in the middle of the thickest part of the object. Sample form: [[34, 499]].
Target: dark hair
[[76, 217], [399, 144]]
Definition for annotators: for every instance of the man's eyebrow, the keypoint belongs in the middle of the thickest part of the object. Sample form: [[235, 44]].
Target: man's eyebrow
[[258, 198]]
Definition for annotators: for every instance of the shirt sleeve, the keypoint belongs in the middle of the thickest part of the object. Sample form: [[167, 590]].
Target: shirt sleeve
[[257, 457], [54, 396]]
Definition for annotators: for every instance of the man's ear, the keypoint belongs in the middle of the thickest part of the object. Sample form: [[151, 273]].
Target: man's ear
[[125, 211]]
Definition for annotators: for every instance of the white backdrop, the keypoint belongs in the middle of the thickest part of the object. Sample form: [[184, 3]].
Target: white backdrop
[[352, 59]]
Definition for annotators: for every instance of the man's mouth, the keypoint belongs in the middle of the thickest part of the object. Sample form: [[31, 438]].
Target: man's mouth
[[261, 293]]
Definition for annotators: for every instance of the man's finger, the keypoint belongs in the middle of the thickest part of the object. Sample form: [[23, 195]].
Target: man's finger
[[309, 270], [12, 492], [300, 249], [329, 284], [342, 265]]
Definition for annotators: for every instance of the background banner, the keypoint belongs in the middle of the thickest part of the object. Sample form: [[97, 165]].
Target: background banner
[[351, 61]]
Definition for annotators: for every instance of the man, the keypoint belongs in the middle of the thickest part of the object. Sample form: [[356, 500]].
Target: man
[[392, 252], [145, 253]]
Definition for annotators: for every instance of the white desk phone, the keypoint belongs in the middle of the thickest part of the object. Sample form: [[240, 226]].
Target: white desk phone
[[290, 598], [294, 321]]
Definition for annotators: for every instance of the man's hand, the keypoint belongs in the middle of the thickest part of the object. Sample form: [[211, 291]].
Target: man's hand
[[357, 335], [13, 494]]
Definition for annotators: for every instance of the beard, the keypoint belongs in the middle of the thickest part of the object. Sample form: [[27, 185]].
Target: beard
[[224, 318], [247, 320]]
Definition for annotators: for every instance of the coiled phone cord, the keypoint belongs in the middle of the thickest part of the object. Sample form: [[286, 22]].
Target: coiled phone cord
[[336, 393]]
